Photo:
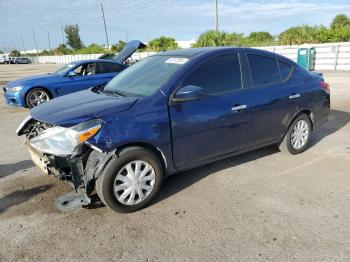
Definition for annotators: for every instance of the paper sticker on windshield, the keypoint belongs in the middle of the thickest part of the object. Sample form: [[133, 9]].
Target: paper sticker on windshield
[[176, 60]]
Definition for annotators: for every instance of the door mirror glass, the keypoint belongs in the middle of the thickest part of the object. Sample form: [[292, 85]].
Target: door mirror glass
[[188, 93]]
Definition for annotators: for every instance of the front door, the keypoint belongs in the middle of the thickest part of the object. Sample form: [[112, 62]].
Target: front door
[[217, 124], [83, 78]]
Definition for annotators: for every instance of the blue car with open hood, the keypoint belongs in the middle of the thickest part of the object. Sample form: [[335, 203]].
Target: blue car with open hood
[[72, 77], [170, 112]]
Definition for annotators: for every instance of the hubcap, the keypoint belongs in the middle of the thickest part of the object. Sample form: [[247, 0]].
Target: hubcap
[[300, 134], [38, 97], [134, 182]]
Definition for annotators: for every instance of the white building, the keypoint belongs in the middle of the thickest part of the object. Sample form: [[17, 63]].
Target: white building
[[186, 44]]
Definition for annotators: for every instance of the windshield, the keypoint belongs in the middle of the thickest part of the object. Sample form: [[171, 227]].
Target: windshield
[[145, 77], [64, 69]]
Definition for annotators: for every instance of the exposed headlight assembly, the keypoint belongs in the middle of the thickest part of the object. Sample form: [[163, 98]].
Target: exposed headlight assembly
[[14, 89], [64, 141]]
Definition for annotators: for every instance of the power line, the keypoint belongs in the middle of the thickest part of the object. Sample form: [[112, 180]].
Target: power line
[[104, 22]]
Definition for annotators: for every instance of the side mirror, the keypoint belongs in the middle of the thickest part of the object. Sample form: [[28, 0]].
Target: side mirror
[[71, 73], [188, 93]]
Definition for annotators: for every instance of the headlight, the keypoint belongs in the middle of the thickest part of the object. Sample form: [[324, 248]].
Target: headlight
[[64, 141], [14, 89]]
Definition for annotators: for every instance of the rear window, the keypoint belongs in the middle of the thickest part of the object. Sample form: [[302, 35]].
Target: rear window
[[264, 69], [110, 68]]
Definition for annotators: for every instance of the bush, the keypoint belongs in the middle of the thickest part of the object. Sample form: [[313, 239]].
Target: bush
[[15, 53], [162, 44]]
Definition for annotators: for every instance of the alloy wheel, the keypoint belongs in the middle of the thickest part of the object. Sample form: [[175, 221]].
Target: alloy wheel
[[38, 97]]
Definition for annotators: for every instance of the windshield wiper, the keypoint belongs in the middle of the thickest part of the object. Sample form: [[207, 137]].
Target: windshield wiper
[[113, 92]]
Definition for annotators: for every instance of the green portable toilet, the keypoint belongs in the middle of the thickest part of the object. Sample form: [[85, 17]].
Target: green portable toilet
[[307, 57]]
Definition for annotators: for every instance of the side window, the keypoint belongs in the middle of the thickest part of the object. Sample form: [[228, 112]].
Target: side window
[[264, 69], [109, 68], [79, 70], [285, 69], [90, 69], [217, 75], [86, 69]]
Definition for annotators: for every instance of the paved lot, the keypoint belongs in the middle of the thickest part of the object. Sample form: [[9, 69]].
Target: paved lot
[[263, 205]]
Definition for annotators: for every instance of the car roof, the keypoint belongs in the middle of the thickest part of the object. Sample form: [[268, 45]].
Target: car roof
[[189, 52], [193, 51]]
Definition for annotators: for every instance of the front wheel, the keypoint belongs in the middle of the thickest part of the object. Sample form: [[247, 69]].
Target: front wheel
[[130, 180], [298, 136], [37, 96]]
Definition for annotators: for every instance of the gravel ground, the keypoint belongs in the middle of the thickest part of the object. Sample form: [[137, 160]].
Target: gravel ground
[[260, 206]]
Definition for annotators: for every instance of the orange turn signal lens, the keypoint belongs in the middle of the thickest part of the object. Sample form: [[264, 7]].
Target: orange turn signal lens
[[89, 133]]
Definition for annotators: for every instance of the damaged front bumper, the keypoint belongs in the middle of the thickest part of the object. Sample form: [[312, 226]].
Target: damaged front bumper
[[79, 167], [79, 170]]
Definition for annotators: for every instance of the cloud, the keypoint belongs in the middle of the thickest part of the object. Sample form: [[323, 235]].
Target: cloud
[[271, 9], [182, 19]]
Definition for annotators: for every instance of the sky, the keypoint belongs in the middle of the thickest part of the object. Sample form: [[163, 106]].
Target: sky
[[144, 20]]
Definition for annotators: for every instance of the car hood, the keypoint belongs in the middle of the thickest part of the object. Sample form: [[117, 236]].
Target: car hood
[[81, 106], [30, 79]]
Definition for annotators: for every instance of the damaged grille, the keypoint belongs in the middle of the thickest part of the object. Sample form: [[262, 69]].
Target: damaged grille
[[35, 128]]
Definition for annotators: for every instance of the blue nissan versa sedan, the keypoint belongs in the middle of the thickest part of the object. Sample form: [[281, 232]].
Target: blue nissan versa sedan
[[75, 76], [171, 112]]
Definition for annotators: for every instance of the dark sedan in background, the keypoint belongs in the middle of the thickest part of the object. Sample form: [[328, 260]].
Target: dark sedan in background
[[22, 60]]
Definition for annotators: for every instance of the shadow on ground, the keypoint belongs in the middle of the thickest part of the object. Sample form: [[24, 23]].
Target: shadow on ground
[[21, 196], [336, 120], [174, 184], [9, 169], [180, 181]]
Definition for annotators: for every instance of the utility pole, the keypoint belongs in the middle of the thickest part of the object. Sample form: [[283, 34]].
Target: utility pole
[[48, 38], [104, 22], [216, 16], [36, 45], [24, 48], [62, 34]]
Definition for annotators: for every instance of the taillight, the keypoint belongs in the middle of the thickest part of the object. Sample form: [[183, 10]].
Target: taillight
[[325, 86]]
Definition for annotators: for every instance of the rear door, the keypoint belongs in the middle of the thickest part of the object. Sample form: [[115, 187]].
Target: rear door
[[214, 125], [276, 95]]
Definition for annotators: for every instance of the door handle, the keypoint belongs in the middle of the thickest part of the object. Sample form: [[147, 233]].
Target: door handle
[[294, 96], [238, 107]]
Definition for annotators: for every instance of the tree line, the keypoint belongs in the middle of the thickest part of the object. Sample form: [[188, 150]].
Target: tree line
[[338, 31]]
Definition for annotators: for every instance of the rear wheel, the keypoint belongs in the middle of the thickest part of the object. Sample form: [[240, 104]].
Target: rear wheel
[[298, 136], [37, 96], [130, 180]]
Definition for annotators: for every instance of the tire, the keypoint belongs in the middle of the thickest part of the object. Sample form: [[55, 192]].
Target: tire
[[134, 191], [35, 93], [298, 136]]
